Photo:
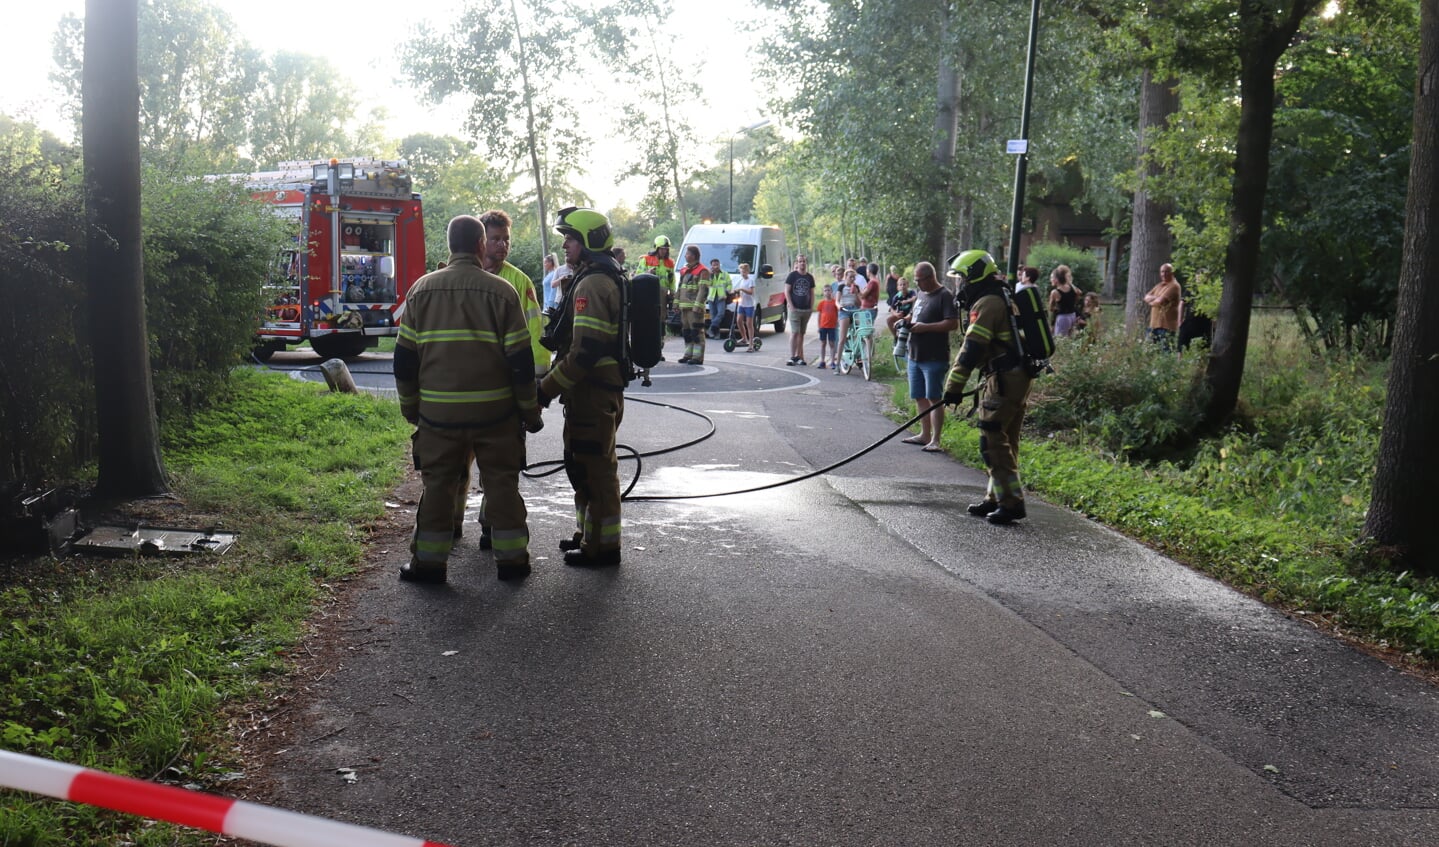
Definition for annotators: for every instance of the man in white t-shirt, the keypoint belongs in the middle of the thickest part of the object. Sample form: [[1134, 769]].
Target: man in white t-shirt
[[547, 284]]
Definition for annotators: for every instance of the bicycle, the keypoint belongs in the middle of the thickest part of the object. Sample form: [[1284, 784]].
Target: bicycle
[[859, 343]]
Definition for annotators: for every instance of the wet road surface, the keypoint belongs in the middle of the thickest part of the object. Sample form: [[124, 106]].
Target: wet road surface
[[849, 660]]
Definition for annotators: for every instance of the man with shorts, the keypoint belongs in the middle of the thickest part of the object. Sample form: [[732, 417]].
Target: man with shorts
[[799, 303], [934, 316]]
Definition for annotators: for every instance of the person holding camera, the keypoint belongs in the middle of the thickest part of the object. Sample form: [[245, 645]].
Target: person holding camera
[[933, 317]]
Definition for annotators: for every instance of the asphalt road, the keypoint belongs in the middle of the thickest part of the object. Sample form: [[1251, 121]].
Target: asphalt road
[[849, 660]]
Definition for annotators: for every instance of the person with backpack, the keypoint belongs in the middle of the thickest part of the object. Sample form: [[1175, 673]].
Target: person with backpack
[[588, 377], [992, 348]]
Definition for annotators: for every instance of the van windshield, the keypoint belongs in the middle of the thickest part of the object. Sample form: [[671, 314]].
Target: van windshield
[[729, 255]]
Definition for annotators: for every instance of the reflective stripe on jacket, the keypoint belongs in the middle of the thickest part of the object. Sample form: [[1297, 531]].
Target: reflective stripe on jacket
[[664, 270], [694, 287], [987, 341], [594, 342], [463, 356]]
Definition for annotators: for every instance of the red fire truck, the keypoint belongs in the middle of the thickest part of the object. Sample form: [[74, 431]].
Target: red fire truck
[[359, 245]]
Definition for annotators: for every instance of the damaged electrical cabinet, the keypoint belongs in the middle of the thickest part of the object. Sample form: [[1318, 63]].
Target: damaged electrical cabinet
[[144, 540], [36, 522]]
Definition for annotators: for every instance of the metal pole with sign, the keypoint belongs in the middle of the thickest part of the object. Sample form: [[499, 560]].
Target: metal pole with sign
[[1020, 146]]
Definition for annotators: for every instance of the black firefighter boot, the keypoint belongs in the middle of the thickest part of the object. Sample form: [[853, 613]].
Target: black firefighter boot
[[982, 508]]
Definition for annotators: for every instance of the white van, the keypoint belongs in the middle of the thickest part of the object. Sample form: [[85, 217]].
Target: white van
[[761, 247]]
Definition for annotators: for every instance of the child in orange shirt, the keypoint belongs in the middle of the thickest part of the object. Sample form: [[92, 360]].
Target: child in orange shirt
[[829, 327]]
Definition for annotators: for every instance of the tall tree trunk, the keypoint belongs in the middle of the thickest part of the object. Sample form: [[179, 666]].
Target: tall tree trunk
[[129, 434], [1151, 243], [942, 201], [1399, 515], [1258, 59], [1111, 265], [530, 129]]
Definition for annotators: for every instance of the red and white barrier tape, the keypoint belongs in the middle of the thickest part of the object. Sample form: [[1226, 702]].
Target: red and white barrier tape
[[189, 808]]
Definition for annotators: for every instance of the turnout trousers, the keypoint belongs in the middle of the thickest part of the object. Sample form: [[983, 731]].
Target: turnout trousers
[[592, 419], [692, 329], [1001, 414], [443, 457]]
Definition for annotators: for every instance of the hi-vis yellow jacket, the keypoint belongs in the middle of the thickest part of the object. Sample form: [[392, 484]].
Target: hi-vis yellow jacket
[[463, 358], [529, 301]]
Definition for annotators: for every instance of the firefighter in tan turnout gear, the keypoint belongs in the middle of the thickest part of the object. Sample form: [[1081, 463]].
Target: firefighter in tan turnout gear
[[693, 293], [990, 346], [586, 377], [465, 375], [493, 258]]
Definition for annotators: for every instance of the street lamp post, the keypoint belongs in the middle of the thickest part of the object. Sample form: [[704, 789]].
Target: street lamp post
[[1022, 163], [741, 131]]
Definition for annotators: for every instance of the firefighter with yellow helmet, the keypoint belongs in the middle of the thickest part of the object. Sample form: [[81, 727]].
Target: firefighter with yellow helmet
[[659, 263], [586, 376], [991, 347], [465, 376]]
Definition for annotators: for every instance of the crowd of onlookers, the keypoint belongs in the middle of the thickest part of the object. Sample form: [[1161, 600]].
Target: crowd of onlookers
[[858, 284]]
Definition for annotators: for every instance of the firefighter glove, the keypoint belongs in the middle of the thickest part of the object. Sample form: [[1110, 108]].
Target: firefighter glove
[[541, 396], [953, 397], [535, 425]]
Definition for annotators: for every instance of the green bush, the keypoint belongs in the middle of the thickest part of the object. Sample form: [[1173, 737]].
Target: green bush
[[1129, 399], [1083, 265], [207, 250], [205, 254], [45, 394]]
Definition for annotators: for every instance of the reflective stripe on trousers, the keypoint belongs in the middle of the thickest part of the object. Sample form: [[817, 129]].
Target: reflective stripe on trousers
[[592, 418], [443, 457]]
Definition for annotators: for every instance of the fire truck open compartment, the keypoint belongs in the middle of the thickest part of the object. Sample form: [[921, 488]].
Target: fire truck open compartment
[[357, 247]]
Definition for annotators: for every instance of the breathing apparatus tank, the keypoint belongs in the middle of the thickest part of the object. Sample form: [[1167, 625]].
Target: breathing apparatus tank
[[644, 311]]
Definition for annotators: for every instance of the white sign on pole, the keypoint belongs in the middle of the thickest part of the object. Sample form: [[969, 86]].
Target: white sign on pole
[[1017, 145]]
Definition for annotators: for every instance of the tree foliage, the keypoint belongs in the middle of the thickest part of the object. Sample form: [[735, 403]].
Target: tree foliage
[[301, 110], [1333, 234], [658, 100], [866, 81], [500, 56], [206, 247], [211, 102], [1330, 225]]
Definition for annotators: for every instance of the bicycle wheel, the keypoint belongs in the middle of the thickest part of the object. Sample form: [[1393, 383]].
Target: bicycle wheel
[[846, 357], [866, 355]]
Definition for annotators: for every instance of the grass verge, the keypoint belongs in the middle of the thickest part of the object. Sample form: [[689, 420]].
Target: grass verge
[[1274, 507], [129, 665]]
